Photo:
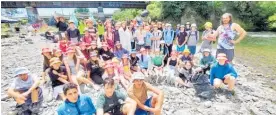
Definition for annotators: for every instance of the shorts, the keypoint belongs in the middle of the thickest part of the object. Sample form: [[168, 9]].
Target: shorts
[[147, 47], [140, 111], [57, 90], [229, 53], [180, 49], [192, 49]]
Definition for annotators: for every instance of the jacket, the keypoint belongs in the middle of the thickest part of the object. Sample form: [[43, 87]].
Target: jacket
[[84, 106]]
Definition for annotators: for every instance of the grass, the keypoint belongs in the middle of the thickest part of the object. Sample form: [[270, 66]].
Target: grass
[[259, 54]]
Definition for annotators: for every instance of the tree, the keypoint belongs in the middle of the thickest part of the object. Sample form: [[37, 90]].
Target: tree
[[155, 10], [81, 10], [126, 14]]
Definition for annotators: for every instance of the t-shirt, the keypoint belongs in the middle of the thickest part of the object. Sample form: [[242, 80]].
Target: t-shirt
[[54, 77], [92, 31], [106, 55], [21, 85], [193, 38], [104, 102], [73, 34], [94, 68], [101, 29], [116, 36], [141, 93], [62, 26], [181, 37], [157, 60]]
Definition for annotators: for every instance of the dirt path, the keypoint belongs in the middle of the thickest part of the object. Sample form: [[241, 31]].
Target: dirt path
[[253, 95]]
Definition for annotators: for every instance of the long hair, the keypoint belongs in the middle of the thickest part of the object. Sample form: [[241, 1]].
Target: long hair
[[227, 14], [46, 61], [190, 70], [75, 59]]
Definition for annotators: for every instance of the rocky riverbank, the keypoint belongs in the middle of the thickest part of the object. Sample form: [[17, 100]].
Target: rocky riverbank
[[252, 94]]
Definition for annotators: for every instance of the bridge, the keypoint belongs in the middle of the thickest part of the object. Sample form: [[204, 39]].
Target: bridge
[[73, 4]]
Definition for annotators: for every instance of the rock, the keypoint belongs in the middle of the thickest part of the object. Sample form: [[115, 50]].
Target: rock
[[271, 111], [183, 111], [255, 111], [208, 104], [28, 39], [247, 98], [4, 97], [255, 99], [6, 44]]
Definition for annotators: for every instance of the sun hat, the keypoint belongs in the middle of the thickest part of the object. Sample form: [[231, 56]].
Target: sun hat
[[70, 50], [104, 44], [193, 25], [207, 50], [21, 70], [142, 49], [93, 43], [138, 76], [133, 51], [56, 50], [208, 24], [168, 24], [54, 60], [178, 25], [182, 26], [117, 43], [109, 64], [188, 23], [221, 56], [186, 51], [93, 54], [71, 21], [88, 20], [162, 42], [46, 50], [124, 56]]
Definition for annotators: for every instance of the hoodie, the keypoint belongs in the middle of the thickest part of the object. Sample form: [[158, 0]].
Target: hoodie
[[219, 71]]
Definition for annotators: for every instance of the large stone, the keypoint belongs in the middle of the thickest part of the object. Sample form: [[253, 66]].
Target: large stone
[[208, 104]]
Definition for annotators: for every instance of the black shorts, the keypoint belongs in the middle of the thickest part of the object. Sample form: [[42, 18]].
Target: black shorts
[[147, 47]]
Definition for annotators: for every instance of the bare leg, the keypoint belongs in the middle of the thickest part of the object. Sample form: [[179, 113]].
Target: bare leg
[[130, 107], [157, 102], [231, 82], [217, 83]]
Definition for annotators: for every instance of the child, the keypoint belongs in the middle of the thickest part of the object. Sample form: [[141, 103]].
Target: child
[[186, 56], [185, 73], [206, 37], [193, 38], [181, 39], [206, 61], [148, 38], [126, 67], [158, 64], [73, 33], [134, 61]]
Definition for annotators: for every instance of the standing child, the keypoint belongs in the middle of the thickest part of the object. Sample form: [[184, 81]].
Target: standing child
[[207, 38], [157, 34], [193, 38], [181, 39], [148, 38], [73, 33]]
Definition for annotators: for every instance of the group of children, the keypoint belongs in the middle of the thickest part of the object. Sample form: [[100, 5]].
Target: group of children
[[124, 61]]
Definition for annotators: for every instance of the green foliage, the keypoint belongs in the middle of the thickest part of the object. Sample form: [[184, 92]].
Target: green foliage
[[272, 22], [81, 10], [24, 21], [126, 14], [155, 10]]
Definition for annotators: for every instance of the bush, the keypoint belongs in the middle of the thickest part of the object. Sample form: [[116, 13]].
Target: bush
[[272, 22]]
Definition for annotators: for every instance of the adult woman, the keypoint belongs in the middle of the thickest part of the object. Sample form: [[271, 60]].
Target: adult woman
[[226, 33], [207, 39], [95, 70], [125, 37], [47, 55]]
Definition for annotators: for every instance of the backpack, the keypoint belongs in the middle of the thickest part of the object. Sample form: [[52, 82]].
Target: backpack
[[190, 35]]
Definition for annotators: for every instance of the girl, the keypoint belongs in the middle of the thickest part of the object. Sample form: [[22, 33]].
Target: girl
[[95, 69], [57, 53], [109, 38], [134, 61], [193, 38], [185, 73], [181, 39], [105, 52], [171, 66], [144, 60], [157, 35], [47, 55], [126, 67], [186, 56], [206, 61], [119, 51], [75, 74], [140, 37], [207, 37], [87, 38], [158, 64], [125, 37]]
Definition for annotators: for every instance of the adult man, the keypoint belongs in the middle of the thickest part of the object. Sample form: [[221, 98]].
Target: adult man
[[226, 33], [138, 92], [26, 92], [75, 104], [223, 73], [113, 102]]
